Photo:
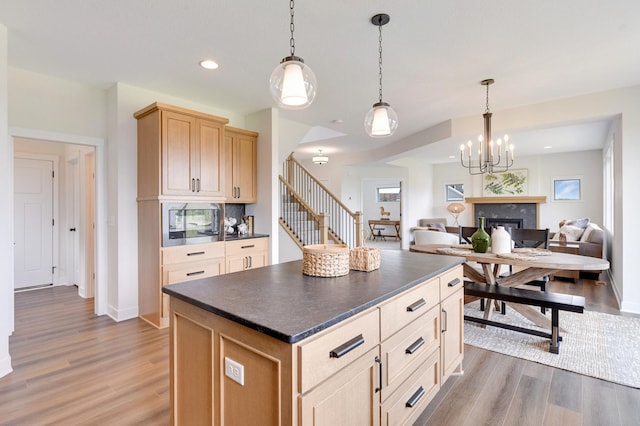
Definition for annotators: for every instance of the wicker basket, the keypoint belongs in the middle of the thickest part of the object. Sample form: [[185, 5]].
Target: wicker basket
[[364, 259], [325, 260]]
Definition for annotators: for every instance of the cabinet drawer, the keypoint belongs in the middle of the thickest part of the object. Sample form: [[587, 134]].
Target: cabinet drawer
[[450, 282], [328, 353], [191, 253], [407, 349], [192, 271], [400, 311], [408, 402], [245, 246]]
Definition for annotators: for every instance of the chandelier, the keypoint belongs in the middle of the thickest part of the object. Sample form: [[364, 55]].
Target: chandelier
[[381, 120], [490, 158], [293, 84]]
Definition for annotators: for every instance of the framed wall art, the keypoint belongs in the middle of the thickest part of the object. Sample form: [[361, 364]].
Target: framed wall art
[[506, 184], [566, 189]]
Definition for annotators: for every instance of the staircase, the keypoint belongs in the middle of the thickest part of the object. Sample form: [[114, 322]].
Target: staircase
[[311, 214]]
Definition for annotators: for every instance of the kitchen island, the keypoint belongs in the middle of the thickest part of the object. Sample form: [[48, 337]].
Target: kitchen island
[[273, 346]]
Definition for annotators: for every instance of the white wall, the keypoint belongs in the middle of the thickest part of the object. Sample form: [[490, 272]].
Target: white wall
[[6, 215]]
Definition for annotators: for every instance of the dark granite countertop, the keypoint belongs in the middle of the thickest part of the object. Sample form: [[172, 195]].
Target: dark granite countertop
[[278, 300], [237, 237]]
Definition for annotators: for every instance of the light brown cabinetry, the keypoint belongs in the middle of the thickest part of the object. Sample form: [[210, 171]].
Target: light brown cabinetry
[[246, 254], [180, 153], [381, 366], [452, 311], [241, 165]]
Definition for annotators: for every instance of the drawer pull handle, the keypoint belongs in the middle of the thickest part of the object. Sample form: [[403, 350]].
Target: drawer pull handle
[[249, 246], [379, 361], [195, 253], [414, 346], [347, 347], [454, 282], [415, 398], [415, 306], [190, 274]]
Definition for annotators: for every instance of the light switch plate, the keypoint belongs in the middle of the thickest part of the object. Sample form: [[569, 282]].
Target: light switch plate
[[234, 370]]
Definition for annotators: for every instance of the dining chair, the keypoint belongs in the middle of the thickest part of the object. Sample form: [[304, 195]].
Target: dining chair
[[465, 233], [532, 238]]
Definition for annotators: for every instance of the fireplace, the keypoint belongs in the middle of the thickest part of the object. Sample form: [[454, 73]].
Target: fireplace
[[510, 212], [501, 221]]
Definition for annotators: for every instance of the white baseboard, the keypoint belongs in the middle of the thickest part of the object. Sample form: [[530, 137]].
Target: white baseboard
[[5, 365], [122, 314]]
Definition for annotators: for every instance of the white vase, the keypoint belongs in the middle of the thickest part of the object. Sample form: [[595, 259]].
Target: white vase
[[500, 241]]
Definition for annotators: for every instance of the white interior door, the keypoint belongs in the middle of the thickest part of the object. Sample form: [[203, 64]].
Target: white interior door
[[33, 222]]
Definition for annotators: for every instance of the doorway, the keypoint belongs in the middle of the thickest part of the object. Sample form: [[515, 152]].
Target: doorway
[[64, 239]]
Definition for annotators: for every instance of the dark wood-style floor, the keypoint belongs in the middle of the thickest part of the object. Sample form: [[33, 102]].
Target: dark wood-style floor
[[71, 367]]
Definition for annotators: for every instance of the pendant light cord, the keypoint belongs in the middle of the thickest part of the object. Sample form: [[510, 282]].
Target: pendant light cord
[[380, 61], [292, 27]]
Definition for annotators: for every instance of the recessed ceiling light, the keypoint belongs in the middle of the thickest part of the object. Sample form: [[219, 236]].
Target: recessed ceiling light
[[452, 156], [338, 121], [547, 147], [209, 64]]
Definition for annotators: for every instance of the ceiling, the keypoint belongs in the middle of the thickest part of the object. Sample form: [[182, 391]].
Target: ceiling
[[434, 56]]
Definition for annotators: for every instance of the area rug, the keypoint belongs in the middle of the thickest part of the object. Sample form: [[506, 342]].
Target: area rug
[[594, 344]]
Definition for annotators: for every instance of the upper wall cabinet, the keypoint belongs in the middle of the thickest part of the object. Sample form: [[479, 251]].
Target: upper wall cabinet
[[180, 153], [241, 164]]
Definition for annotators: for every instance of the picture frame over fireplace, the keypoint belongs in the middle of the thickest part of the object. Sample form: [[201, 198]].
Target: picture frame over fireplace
[[506, 184]]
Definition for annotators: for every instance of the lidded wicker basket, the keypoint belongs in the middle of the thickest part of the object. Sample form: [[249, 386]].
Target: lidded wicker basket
[[325, 260], [364, 259]]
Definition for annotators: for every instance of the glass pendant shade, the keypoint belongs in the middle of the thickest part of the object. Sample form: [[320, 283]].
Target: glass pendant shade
[[381, 120], [293, 84]]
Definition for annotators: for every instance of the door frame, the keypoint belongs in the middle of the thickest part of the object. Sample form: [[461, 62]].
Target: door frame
[[55, 212], [101, 287]]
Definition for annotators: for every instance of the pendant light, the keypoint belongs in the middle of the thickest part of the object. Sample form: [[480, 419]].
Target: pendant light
[[381, 120], [293, 84]]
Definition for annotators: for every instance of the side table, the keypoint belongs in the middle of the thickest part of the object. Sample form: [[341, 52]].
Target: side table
[[565, 248]]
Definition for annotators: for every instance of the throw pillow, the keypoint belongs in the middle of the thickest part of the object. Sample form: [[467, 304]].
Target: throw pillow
[[580, 223], [573, 233], [587, 232], [437, 227]]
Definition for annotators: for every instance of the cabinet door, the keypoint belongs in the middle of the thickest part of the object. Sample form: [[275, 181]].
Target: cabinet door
[[347, 398], [207, 158], [178, 134], [236, 263], [241, 174], [246, 169], [452, 311]]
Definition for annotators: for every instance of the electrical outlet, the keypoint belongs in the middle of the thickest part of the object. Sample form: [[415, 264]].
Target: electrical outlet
[[234, 370]]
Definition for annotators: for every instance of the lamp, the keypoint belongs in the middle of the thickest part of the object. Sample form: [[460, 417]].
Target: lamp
[[487, 161], [293, 84], [381, 120], [320, 159], [455, 209]]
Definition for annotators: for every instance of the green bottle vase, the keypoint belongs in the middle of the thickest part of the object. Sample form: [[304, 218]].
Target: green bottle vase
[[480, 239]]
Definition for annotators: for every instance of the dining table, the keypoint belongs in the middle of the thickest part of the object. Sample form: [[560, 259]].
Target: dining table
[[531, 264]]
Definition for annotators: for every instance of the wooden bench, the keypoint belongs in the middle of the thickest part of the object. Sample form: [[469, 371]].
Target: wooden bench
[[554, 301]]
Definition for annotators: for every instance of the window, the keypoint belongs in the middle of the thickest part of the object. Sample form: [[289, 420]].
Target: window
[[567, 189], [386, 195], [454, 192]]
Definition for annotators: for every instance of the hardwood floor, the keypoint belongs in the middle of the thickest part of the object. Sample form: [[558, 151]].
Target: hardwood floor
[[497, 389], [71, 367]]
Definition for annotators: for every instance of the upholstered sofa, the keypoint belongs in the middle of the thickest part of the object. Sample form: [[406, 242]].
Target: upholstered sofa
[[434, 231], [578, 237]]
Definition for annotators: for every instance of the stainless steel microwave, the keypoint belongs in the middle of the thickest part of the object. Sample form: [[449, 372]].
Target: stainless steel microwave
[[192, 223]]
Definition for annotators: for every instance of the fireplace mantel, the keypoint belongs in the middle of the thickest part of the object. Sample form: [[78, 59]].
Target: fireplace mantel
[[506, 200]]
